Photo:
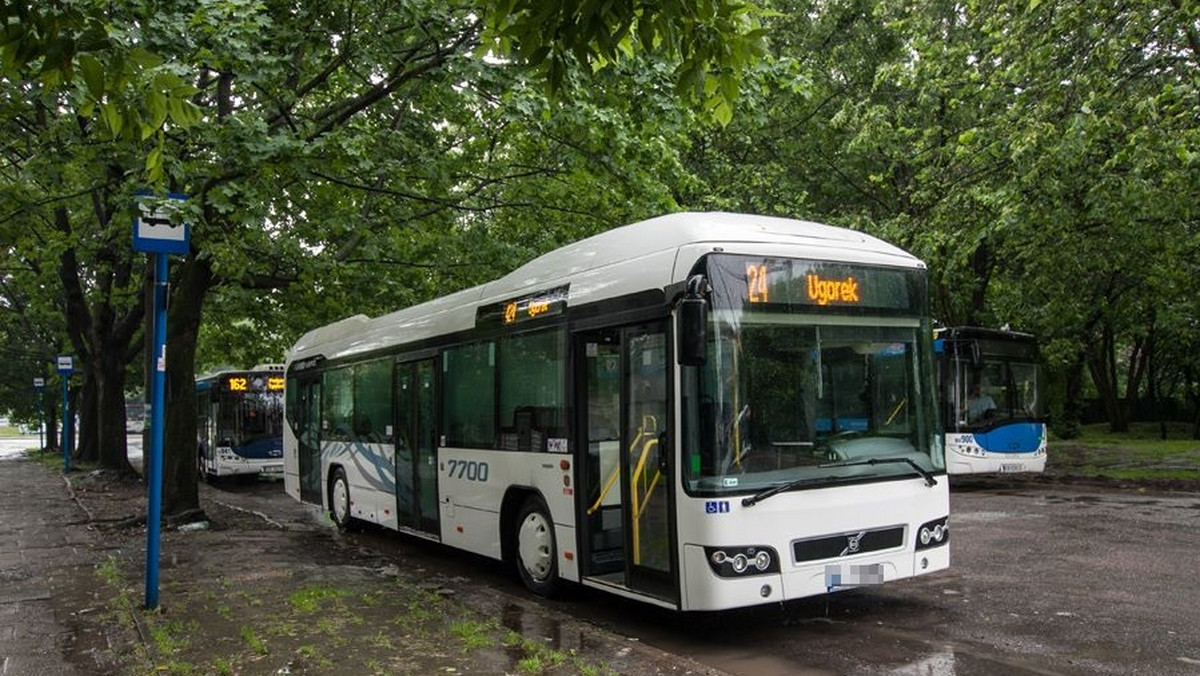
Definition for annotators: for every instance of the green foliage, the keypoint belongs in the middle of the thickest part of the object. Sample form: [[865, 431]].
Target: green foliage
[[711, 43]]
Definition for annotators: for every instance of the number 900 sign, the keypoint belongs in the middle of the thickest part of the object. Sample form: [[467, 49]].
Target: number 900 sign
[[467, 469]]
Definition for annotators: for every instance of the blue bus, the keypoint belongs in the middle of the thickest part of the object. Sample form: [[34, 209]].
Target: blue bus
[[239, 423], [991, 400]]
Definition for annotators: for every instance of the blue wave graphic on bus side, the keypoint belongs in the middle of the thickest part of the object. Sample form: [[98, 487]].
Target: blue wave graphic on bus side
[[261, 449], [1013, 438]]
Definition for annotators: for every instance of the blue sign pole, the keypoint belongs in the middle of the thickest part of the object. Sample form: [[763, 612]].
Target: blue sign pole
[[66, 413], [66, 407], [66, 366], [157, 418], [38, 384], [156, 232]]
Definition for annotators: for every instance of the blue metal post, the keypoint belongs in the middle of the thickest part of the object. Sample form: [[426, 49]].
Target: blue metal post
[[66, 384], [157, 419], [41, 423]]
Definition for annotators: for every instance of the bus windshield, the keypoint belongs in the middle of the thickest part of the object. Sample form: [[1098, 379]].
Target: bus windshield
[[995, 391], [795, 392], [247, 417]]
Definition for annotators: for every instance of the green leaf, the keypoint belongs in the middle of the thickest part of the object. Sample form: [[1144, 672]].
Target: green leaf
[[154, 159], [112, 118], [723, 113], [179, 113], [93, 75], [145, 58], [156, 105]]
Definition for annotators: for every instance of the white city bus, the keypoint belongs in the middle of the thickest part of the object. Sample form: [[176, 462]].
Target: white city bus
[[701, 411], [991, 400]]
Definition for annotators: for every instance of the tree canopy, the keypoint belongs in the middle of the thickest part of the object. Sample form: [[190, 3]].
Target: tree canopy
[[1041, 157]]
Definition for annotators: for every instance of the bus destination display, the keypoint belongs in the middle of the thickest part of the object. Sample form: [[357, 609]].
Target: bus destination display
[[524, 309], [775, 284], [254, 383]]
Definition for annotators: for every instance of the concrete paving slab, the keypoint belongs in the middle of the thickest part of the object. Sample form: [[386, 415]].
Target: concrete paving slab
[[43, 543]]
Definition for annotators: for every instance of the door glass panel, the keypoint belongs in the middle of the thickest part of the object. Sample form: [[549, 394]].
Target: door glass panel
[[309, 435], [604, 490], [646, 427], [425, 451], [405, 402]]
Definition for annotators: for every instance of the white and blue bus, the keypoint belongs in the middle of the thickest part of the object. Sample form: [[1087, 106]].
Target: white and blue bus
[[991, 400], [239, 423], [700, 411]]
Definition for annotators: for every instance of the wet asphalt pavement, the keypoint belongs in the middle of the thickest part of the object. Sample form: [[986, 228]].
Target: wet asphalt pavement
[[1042, 581]]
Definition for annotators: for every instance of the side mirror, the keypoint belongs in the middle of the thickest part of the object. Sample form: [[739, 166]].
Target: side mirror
[[691, 324]]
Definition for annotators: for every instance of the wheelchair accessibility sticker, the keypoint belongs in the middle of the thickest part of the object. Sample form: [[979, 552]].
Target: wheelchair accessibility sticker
[[716, 507]]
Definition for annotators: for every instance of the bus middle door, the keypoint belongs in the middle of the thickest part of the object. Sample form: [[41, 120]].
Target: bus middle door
[[628, 488]]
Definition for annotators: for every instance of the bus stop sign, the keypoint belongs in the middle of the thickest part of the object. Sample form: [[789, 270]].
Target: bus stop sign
[[157, 227]]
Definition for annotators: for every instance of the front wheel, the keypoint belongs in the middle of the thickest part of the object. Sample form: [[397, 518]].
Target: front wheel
[[537, 554], [339, 500]]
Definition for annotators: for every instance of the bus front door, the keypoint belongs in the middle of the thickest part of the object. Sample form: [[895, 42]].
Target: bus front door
[[416, 457], [625, 470], [308, 433]]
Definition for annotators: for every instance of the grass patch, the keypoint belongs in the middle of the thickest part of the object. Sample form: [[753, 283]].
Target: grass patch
[[54, 461], [1139, 454], [474, 635], [109, 571], [252, 641], [308, 599]]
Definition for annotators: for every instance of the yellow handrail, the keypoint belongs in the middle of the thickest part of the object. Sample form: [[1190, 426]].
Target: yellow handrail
[[639, 499], [896, 411]]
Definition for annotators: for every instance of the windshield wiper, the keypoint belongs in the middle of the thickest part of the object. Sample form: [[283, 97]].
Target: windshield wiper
[[779, 488], [925, 474]]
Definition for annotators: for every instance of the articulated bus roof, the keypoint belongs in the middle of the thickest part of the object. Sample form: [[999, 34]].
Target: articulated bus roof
[[651, 254]]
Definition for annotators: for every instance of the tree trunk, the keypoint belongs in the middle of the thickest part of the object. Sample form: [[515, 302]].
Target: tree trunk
[[110, 429], [180, 490], [84, 408], [1101, 362], [1072, 409], [1196, 420], [51, 412]]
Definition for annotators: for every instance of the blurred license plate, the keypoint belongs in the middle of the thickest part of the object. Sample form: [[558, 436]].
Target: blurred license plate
[[1011, 467], [841, 575]]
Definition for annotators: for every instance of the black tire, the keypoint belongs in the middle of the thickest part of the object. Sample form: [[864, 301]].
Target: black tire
[[536, 551], [339, 501]]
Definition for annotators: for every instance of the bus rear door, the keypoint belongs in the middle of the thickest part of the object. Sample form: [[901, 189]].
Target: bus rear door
[[416, 455]]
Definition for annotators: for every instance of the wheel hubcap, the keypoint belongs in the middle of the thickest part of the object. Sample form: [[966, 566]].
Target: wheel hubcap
[[534, 546], [341, 500]]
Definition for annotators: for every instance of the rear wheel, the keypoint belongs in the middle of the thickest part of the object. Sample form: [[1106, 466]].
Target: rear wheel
[[339, 500], [537, 553]]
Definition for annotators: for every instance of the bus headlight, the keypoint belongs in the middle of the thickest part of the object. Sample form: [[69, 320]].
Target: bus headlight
[[933, 534], [742, 561]]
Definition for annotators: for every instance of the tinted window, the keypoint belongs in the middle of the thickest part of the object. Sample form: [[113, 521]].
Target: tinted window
[[468, 403], [531, 392], [338, 406], [372, 400]]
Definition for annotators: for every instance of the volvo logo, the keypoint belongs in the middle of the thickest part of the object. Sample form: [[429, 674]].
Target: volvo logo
[[852, 544]]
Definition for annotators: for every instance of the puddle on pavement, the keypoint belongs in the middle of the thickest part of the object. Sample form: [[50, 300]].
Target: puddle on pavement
[[954, 663], [980, 517], [546, 630]]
